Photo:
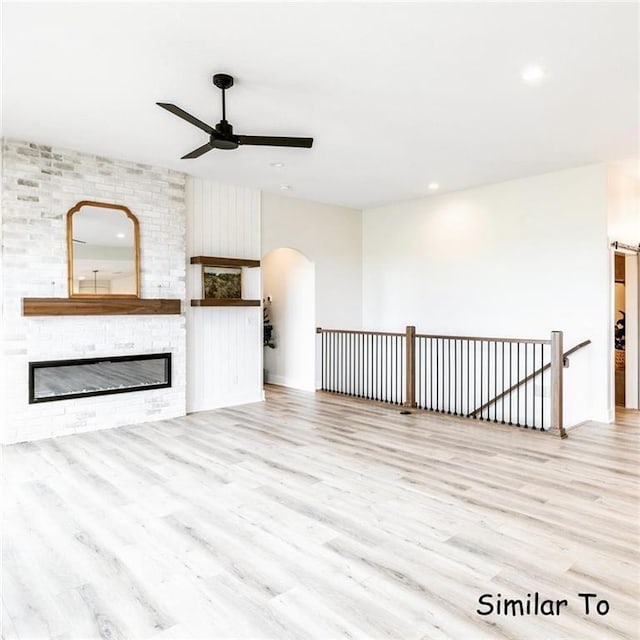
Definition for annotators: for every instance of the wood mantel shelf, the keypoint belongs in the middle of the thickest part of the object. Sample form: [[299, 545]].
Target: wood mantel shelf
[[224, 302], [210, 261], [99, 306]]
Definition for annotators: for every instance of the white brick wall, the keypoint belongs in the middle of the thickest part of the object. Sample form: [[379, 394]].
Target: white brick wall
[[39, 185]]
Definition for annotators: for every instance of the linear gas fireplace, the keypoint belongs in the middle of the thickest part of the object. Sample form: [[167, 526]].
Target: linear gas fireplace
[[65, 379]]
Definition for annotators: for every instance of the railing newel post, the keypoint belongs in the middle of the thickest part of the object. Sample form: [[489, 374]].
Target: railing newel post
[[410, 364], [557, 365]]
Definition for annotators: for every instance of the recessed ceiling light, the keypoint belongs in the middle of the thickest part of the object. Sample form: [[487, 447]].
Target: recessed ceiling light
[[277, 165], [285, 187], [533, 74], [119, 235], [433, 186]]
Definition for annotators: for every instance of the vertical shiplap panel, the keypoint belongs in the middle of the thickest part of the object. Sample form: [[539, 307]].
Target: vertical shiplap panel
[[224, 345]]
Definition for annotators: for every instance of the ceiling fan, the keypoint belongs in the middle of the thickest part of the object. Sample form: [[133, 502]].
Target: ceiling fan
[[221, 136]]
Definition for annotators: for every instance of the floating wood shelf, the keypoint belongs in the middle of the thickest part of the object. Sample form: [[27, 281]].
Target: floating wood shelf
[[224, 302], [210, 261], [99, 306]]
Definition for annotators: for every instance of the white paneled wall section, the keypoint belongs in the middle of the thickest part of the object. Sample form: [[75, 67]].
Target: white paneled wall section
[[224, 344]]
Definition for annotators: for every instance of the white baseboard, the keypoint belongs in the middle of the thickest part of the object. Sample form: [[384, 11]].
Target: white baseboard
[[229, 401], [291, 383]]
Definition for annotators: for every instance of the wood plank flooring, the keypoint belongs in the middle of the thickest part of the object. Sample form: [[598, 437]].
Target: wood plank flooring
[[312, 516]]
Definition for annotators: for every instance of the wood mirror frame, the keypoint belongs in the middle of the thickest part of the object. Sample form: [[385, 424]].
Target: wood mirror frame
[[136, 240]]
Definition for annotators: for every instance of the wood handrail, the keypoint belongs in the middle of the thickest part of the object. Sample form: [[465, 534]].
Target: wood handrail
[[483, 339], [358, 332], [526, 379]]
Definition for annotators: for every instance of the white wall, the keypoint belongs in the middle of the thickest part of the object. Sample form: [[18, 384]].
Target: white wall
[[224, 344], [516, 259], [331, 237], [39, 185], [289, 280]]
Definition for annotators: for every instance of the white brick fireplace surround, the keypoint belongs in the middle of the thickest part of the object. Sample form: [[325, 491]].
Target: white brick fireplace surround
[[39, 185]]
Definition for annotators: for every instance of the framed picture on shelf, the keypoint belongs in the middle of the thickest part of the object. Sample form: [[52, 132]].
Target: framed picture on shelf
[[221, 282]]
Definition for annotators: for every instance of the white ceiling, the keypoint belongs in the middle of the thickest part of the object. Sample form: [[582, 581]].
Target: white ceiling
[[395, 95]]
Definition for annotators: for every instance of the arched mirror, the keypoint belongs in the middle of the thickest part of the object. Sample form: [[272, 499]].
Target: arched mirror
[[104, 250]]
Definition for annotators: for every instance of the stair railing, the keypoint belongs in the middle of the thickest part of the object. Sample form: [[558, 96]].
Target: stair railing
[[501, 380]]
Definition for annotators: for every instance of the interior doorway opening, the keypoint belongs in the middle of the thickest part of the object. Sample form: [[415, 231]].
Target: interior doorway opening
[[288, 286], [626, 328], [619, 329]]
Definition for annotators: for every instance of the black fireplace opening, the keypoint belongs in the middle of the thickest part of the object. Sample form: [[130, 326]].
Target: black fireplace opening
[[65, 379]]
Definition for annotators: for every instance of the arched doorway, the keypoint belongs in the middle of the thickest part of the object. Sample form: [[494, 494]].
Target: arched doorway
[[288, 286]]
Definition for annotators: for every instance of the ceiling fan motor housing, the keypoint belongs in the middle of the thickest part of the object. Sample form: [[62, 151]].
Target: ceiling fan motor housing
[[222, 137]]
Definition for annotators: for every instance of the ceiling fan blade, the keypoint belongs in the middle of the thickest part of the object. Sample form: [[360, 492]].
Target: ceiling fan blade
[[181, 113], [196, 153], [271, 141], [79, 241]]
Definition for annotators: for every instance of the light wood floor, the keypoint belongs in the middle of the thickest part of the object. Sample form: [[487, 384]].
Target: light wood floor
[[316, 517]]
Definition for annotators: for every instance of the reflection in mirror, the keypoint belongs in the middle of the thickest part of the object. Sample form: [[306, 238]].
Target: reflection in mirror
[[103, 250]]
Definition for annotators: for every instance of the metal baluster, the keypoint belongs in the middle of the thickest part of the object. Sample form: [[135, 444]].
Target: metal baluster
[[371, 370], [349, 365], [341, 363], [436, 402], [431, 380], [380, 361], [481, 377], [353, 364], [448, 368], [449, 380], [542, 388], [526, 373], [365, 365], [503, 384], [419, 373], [468, 374], [455, 375], [398, 391], [358, 363], [338, 362], [374, 361], [402, 369], [387, 372], [512, 395], [437, 374], [345, 364], [331, 361], [395, 369], [392, 370], [398, 365], [518, 377], [322, 363], [495, 379], [379, 366], [383, 367], [475, 374], [369, 342], [336, 355], [533, 387], [361, 363]]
